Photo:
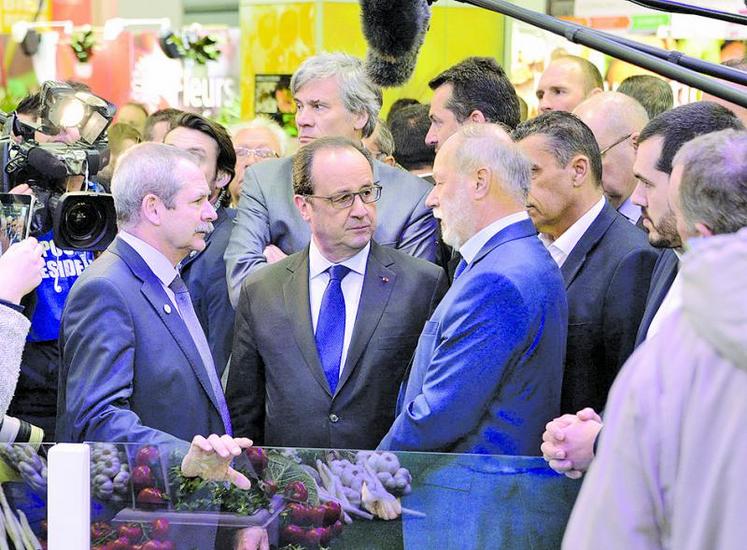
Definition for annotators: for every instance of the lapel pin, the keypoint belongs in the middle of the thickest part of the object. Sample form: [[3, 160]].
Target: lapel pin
[[167, 308], [385, 279]]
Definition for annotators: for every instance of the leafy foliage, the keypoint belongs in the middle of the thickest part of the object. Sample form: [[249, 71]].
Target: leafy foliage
[[193, 494], [82, 44], [285, 470]]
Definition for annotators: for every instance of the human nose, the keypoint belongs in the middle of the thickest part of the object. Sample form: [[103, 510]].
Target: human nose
[[303, 117], [638, 197], [208, 213], [431, 138], [358, 209], [431, 201]]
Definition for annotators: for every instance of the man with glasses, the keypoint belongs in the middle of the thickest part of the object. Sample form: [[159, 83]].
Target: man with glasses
[[616, 120], [606, 262], [333, 97], [323, 337], [259, 139]]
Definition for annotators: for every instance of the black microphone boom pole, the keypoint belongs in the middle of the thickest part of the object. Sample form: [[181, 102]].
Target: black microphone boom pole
[[612, 46]]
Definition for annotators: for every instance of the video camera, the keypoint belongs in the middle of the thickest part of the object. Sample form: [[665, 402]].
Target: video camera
[[81, 220]]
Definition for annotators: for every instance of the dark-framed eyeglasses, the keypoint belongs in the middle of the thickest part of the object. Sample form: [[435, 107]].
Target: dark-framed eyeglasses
[[618, 142], [261, 153], [369, 194]]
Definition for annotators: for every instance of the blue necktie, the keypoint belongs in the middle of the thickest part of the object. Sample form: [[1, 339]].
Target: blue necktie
[[461, 266], [198, 337], [330, 327]]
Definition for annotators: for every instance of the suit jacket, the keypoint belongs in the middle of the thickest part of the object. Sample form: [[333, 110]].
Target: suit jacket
[[267, 215], [487, 371], [665, 270], [277, 392], [606, 276], [130, 370], [205, 276]]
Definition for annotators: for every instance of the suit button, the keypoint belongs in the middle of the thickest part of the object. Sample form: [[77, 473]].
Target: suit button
[[334, 418]]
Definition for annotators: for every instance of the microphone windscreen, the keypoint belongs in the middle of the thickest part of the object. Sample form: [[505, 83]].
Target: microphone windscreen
[[394, 31], [389, 72], [46, 163]]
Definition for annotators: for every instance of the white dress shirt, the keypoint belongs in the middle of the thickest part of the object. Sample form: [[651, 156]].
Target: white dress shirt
[[475, 243], [671, 302], [351, 285], [157, 262], [630, 211], [562, 247]]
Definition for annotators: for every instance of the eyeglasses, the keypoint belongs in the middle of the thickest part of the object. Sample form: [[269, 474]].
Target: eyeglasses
[[618, 142], [257, 153], [346, 200]]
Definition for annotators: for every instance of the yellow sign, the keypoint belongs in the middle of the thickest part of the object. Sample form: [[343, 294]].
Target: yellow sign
[[13, 11]]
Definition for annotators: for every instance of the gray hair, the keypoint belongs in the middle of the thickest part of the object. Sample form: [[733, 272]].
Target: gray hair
[[303, 160], [358, 93], [383, 138], [146, 168], [262, 121], [713, 190], [490, 145]]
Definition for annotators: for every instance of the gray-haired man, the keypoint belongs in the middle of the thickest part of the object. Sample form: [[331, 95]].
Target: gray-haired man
[[334, 98]]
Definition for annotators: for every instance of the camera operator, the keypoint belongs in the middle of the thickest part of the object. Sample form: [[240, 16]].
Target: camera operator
[[20, 272], [35, 400]]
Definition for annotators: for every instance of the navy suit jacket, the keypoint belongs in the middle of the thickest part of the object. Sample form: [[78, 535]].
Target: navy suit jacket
[[488, 367], [277, 392], [606, 276], [204, 273], [665, 270], [130, 370]]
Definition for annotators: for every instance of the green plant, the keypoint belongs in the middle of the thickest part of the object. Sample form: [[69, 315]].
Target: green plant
[[82, 43]]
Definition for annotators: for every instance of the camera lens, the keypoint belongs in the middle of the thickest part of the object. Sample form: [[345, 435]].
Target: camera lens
[[83, 221]]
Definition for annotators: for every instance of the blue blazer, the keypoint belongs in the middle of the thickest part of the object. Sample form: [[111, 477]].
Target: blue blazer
[[130, 370], [606, 275], [204, 273], [487, 370]]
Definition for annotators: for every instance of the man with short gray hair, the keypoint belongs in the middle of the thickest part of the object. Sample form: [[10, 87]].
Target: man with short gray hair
[[487, 370], [333, 97], [131, 343]]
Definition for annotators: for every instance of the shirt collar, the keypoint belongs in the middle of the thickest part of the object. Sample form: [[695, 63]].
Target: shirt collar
[[157, 262], [475, 243], [319, 264], [569, 239]]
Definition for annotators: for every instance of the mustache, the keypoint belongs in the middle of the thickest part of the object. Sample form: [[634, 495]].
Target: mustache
[[206, 228]]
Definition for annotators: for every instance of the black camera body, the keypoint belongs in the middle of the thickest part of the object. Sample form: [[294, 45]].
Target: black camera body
[[81, 220]]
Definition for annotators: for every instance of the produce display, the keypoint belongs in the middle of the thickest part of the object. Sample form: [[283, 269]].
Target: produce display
[[31, 467]]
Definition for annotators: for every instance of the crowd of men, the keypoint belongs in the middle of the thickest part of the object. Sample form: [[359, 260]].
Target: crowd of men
[[453, 279]]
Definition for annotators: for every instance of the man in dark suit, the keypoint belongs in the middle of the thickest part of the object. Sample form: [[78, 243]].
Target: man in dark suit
[[318, 356], [135, 364], [204, 272], [334, 97], [487, 371], [569, 440], [606, 262]]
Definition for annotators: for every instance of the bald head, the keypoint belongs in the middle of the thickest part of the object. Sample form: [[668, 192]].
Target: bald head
[[566, 82], [615, 119], [741, 112]]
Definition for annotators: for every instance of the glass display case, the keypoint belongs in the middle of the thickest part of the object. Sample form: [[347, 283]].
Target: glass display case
[[114, 496]]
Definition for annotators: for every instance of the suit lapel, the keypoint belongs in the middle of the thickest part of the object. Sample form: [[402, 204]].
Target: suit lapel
[[662, 280], [586, 244], [159, 300], [378, 283], [296, 296], [517, 230]]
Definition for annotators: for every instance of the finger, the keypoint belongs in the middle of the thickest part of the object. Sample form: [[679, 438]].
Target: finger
[[264, 542], [238, 479], [201, 443], [230, 445], [586, 414], [574, 474], [217, 444], [557, 433], [243, 442], [561, 466], [552, 452]]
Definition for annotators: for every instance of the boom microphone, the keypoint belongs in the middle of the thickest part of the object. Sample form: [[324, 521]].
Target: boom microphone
[[394, 30]]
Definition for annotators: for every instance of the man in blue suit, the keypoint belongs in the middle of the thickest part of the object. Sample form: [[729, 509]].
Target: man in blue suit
[[488, 367], [136, 366], [606, 261]]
